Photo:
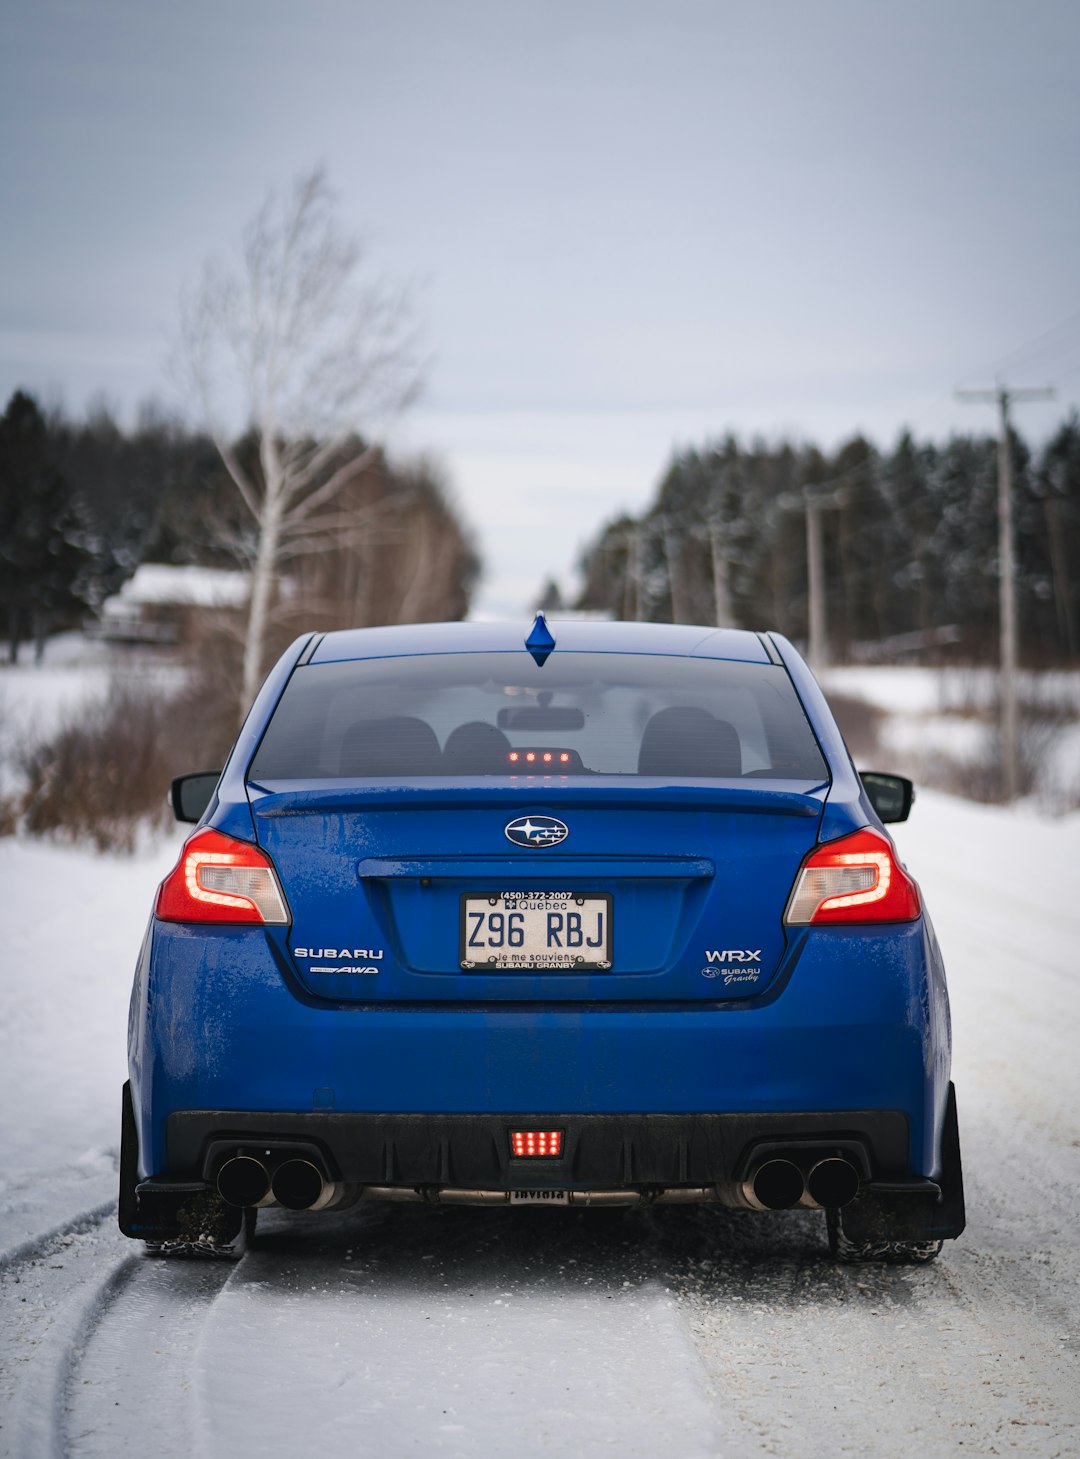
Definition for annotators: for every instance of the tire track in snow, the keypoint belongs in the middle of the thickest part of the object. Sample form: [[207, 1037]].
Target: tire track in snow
[[23, 1251], [964, 1355], [442, 1331], [452, 1333], [134, 1365], [67, 1310], [94, 1345]]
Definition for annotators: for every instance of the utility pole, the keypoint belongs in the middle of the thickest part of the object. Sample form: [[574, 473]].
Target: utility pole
[[813, 501], [815, 586], [1010, 717], [632, 586], [679, 612], [721, 587]]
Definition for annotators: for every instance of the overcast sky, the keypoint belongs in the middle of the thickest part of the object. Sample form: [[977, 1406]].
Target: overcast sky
[[633, 224]]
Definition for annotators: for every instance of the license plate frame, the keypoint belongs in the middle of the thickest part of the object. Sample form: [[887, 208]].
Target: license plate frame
[[538, 902]]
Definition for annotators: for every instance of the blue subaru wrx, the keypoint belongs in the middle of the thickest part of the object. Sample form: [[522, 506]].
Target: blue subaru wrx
[[487, 914]]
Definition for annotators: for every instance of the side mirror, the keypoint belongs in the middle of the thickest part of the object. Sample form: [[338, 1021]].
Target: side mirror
[[890, 795], [189, 795]]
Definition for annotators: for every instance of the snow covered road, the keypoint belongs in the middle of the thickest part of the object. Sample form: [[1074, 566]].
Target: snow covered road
[[400, 1330]]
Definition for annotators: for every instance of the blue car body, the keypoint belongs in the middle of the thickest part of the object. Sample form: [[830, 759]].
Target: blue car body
[[357, 1035]]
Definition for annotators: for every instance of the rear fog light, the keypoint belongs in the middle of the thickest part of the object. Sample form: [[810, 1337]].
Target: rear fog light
[[524, 1143]]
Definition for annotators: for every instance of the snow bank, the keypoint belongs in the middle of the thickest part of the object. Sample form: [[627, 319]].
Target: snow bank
[[73, 923], [940, 726], [968, 741], [896, 690], [36, 700], [899, 689]]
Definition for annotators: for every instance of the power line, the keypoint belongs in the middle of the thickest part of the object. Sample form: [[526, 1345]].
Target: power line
[[1067, 374], [1023, 354]]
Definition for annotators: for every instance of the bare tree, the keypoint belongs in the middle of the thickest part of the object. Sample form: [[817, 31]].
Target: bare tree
[[317, 356], [414, 564]]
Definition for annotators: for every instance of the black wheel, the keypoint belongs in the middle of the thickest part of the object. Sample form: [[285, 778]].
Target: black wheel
[[842, 1248]]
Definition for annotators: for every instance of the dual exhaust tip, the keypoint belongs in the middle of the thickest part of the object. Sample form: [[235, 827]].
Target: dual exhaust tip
[[296, 1183], [778, 1184]]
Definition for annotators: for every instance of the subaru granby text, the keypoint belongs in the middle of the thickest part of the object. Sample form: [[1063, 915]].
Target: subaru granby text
[[546, 840]]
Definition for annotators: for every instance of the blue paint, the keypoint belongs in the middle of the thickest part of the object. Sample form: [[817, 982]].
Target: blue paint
[[858, 1023], [540, 642]]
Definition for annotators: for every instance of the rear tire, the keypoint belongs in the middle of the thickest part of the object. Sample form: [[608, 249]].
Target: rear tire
[[208, 1222], [893, 1253]]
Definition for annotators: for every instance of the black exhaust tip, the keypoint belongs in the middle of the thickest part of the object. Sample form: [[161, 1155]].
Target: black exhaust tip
[[833, 1182], [777, 1185], [243, 1181], [298, 1184]]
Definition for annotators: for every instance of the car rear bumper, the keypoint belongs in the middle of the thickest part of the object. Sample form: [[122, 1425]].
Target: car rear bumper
[[861, 1025], [598, 1152]]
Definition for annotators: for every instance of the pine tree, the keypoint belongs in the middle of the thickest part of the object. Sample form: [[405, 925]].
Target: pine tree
[[41, 530], [1056, 488]]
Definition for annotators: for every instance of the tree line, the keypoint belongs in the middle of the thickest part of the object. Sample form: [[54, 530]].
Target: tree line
[[84, 502], [910, 541]]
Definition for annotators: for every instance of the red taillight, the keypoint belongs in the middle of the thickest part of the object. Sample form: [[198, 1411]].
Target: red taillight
[[220, 879], [536, 1142], [855, 879]]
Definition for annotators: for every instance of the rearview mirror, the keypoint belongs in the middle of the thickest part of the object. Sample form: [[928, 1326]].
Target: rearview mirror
[[189, 795], [541, 717], [890, 795]]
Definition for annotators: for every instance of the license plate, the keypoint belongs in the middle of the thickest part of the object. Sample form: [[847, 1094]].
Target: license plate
[[540, 1198], [536, 931]]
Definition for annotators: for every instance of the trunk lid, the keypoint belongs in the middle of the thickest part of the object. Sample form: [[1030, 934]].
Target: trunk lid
[[696, 878]]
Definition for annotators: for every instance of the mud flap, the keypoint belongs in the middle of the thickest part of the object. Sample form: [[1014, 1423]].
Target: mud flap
[[197, 1215], [129, 1165], [924, 1211]]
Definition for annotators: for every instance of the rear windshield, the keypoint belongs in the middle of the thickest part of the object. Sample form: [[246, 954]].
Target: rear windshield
[[501, 715]]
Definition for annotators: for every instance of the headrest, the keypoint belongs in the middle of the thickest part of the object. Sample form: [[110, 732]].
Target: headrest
[[397, 745], [476, 749], [689, 742]]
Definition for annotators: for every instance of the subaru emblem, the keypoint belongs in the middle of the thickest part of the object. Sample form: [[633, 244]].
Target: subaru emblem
[[537, 831]]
